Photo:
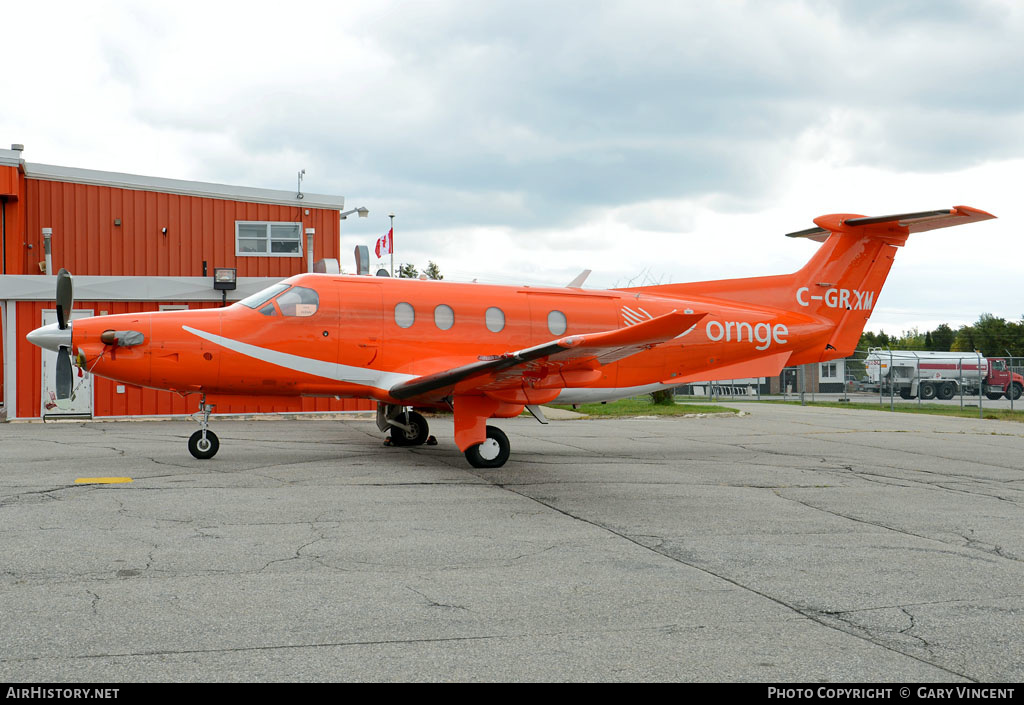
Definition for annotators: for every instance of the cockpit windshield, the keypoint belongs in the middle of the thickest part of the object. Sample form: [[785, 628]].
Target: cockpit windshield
[[298, 301], [262, 297]]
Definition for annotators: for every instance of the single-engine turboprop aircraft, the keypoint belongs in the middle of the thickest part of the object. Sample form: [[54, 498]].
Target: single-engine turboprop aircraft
[[492, 351]]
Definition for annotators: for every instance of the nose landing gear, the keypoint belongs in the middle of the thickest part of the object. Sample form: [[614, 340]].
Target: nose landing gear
[[203, 444]]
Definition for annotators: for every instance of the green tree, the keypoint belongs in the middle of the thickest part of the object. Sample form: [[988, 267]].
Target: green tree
[[408, 271], [942, 338], [433, 271], [964, 340]]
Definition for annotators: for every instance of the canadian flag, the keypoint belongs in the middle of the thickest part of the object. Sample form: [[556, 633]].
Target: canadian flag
[[385, 243]]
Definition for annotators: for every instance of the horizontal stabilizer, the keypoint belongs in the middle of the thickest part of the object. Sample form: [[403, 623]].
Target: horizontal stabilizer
[[909, 222]]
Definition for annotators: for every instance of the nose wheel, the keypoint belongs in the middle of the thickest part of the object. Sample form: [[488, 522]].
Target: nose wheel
[[204, 444]]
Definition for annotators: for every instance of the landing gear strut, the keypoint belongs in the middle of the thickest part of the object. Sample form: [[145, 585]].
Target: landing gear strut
[[204, 444], [408, 428]]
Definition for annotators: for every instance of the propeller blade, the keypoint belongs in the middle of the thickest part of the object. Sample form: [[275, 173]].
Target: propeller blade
[[65, 298], [65, 378]]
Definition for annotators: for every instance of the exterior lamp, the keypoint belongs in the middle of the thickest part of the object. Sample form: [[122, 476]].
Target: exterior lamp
[[225, 279], [363, 212]]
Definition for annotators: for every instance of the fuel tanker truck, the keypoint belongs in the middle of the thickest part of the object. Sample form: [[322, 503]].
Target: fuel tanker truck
[[941, 375]]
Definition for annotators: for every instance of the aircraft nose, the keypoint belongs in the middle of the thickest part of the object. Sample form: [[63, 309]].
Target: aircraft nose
[[51, 337]]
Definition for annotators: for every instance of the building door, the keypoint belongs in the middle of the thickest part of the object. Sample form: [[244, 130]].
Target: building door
[[81, 405]]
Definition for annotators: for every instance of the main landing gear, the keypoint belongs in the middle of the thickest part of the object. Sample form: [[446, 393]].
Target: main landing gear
[[492, 453], [204, 444], [407, 427]]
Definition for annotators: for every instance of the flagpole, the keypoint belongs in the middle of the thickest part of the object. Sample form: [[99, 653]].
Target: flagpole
[[392, 216]]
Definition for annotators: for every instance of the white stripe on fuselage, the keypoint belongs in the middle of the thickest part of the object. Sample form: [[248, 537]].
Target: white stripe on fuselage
[[379, 379]]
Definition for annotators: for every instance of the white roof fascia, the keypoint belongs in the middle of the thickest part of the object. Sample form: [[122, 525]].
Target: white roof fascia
[[202, 189], [35, 287]]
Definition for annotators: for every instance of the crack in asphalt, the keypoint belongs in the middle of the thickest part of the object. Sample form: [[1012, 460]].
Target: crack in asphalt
[[805, 613]]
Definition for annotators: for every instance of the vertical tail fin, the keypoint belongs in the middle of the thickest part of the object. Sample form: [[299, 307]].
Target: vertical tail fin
[[842, 281]]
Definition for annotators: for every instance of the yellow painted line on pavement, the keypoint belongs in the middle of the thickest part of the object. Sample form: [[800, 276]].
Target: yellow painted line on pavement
[[101, 480]]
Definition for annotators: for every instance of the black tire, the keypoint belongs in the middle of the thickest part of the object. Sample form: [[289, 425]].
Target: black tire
[[493, 452], [417, 434], [927, 390], [1015, 391], [203, 450], [947, 390], [905, 393], [995, 395]]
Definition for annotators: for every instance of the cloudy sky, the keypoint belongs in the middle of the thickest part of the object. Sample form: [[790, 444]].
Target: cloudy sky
[[521, 142]]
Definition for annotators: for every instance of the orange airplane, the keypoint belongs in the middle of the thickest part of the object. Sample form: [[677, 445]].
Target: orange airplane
[[492, 351]]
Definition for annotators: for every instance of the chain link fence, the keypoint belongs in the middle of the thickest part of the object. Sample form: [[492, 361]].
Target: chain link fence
[[888, 378]]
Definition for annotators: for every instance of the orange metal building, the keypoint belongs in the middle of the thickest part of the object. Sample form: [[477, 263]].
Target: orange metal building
[[139, 243]]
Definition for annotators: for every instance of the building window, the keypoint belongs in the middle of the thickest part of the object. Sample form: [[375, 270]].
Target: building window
[[828, 370], [444, 317], [266, 239], [557, 323], [405, 315], [494, 319]]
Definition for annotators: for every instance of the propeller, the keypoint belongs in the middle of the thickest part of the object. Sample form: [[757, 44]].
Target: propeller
[[65, 298], [65, 302]]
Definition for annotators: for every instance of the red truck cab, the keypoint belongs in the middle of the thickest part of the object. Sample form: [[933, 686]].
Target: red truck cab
[[1000, 376]]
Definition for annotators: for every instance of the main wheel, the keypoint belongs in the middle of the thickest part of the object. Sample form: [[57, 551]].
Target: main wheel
[[201, 448], [1015, 392], [417, 433], [927, 390], [493, 452], [947, 390]]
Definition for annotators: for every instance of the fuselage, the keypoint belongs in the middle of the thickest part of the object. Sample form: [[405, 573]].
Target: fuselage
[[353, 336]]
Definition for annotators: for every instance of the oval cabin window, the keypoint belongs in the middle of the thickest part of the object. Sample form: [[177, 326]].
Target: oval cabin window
[[494, 319], [405, 315], [444, 317], [557, 323]]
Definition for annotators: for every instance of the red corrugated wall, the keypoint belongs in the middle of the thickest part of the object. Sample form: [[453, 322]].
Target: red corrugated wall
[[137, 401], [86, 240]]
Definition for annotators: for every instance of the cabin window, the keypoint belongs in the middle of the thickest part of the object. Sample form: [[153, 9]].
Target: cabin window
[[494, 319], [267, 239], [268, 310], [557, 323], [405, 315], [299, 302], [444, 317], [262, 297]]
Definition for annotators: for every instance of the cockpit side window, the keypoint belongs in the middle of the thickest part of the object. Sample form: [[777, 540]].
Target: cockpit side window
[[299, 302], [268, 310], [262, 297]]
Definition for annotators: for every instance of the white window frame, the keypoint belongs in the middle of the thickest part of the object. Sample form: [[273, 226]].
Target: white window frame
[[269, 241]]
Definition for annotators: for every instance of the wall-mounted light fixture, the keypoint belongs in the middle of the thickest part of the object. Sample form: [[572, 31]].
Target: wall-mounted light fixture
[[225, 279]]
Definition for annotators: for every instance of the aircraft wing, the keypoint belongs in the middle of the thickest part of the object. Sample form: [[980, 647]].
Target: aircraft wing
[[588, 350]]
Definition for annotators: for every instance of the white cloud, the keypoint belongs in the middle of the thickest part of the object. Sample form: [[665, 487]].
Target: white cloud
[[528, 140]]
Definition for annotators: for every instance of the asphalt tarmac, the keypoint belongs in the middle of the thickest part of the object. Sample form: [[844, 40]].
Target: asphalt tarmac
[[790, 544]]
